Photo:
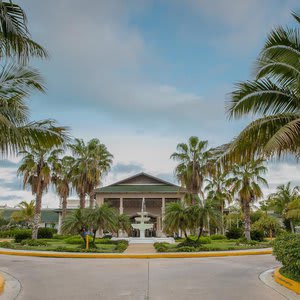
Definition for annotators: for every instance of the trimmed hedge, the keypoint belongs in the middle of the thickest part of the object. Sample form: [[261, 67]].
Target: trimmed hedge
[[33, 243], [286, 249], [22, 235], [218, 237], [257, 235], [46, 233], [11, 233]]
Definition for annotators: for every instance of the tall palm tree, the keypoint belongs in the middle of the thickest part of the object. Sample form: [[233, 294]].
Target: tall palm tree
[[193, 166], [293, 210], [217, 190], [245, 183], [123, 223], [92, 162], [280, 200], [62, 179], [15, 39], [272, 97], [36, 171], [26, 212]]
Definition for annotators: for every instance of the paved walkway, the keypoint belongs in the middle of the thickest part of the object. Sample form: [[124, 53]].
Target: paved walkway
[[226, 278], [140, 248]]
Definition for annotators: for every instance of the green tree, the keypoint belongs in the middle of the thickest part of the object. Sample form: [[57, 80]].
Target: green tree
[[245, 183], [177, 218], [92, 162], [36, 171], [193, 166], [102, 218], [280, 200], [293, 210], [76, 222], [218, 191], [268, 224], [25, 214], [123, 223], [272, 97], [62, 179]]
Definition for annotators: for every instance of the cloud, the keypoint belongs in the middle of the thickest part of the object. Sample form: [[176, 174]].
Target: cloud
[[5, 163], [127, 168]]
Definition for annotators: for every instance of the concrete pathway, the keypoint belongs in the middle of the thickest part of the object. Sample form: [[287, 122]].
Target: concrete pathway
[[140, 248], [223, 278]]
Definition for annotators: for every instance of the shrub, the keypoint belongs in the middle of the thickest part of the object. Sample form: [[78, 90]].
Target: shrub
[[257, 235], [22, 235], [218, 237], [205, 240], [186, 249], [121, 246], [234, 233], [287, 250], [12, 232], [60, 236], [74, 240], [45, 233], [244, 241], [33, 243], [7, 245], [189, 243], [161, 247]]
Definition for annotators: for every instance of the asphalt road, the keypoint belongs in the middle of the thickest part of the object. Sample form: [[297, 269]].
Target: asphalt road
[[223, 278]]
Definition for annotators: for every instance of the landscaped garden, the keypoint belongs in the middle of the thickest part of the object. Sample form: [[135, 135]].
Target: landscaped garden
[[47, 241]]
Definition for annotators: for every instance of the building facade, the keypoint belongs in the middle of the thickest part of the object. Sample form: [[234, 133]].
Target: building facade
[[127, 196]]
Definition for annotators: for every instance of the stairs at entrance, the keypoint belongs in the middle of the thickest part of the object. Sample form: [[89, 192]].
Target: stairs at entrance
[[140, 248]]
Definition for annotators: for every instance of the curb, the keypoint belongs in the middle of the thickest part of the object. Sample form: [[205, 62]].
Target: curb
[[142, 255], [2, 283], [286, 282]]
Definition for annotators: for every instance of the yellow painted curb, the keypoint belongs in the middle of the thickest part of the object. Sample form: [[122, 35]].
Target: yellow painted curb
[[286, 282], [2, 283], [135, 255]]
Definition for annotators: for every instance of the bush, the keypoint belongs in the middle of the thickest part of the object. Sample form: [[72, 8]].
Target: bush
[[45, 233], [121, 246], [74, 240], [161, 247], [234, 233], [257, 235], [22, 235], [7, 245], [60, 236], [218, 237], [186, 249], [11, 233], [33, 243], [287, 250], [205, 240], [189, 243], [244, 241]]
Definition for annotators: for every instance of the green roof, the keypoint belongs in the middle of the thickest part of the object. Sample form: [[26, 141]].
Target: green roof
[[131, 188], [47, 216]]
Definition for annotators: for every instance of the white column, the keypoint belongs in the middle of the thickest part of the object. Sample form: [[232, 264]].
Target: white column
[[59, 223], [121, 206], [163, 206]]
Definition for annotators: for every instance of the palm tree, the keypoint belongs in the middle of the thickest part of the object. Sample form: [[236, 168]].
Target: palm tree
[[26, 212], [36, 171], [217, 189], [102, 218], [123, 223], [92, 162], [76, 222], [273, 97], [280, 200], [62, 179], [177, 218], [193, 166], [293, 210], [15, 40], [16, 131], [245, 183]]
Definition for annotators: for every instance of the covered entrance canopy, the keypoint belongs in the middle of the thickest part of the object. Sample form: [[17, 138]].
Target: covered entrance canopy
[[127, 196]]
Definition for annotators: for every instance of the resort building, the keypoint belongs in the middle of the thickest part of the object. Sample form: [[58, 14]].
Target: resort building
[[127, 196]]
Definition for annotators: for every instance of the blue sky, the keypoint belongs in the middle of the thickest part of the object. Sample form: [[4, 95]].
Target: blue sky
[[143, 76]]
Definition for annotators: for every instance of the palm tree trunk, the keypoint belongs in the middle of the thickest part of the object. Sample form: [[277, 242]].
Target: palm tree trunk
[[92, 200], [208, 225], [292, 226], [82, 200], [37, 213], [247, 220], [64, 209], [222, 218], [200, 232]]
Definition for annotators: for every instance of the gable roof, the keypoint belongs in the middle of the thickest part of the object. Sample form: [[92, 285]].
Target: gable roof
[[141, 183]]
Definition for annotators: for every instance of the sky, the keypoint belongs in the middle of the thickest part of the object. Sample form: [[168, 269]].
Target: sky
[[143, 76]]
